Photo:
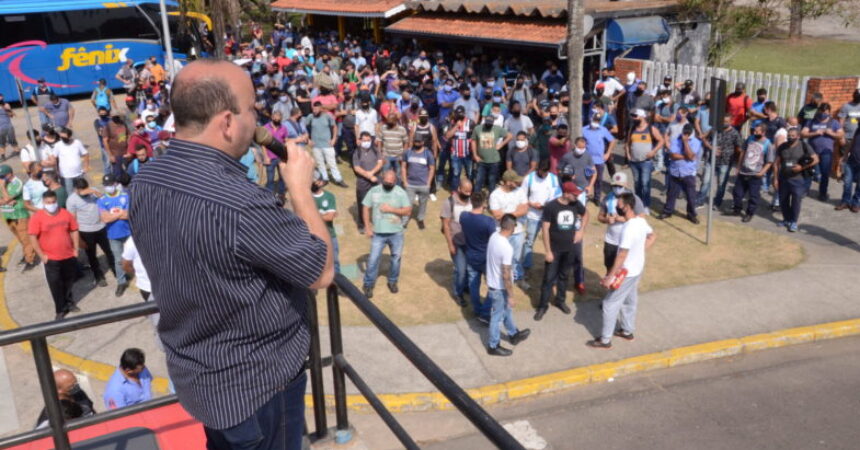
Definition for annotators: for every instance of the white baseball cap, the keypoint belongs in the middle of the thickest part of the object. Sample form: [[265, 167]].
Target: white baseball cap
[[619, 179], [639, 112], [631, 76]]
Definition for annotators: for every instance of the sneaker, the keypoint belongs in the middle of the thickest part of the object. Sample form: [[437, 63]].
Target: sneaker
[[361, 230], [624, 335], [782, 224], [341, 184], [499, 351], [700, 206], [101, 282], [461, 300], [597, 343], [647, 211], [420, 224], [29, 266], [562, 307], [368, 291], [539, 314], [580, 288], [73, 309], [520, 336], [747, 218], [433, 197], [120, 289], [393, 288], [793, 227], [484, 321], [60, 316]]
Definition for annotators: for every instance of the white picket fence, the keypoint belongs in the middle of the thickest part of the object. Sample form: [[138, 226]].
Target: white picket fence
[[787, 91]]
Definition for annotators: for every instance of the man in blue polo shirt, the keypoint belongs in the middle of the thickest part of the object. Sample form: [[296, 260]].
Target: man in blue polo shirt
[[684, 152], [600, 143], [131, 383], [113, 207], [477, 229]]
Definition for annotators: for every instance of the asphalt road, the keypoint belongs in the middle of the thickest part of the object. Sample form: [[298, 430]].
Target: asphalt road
[[800, 397]]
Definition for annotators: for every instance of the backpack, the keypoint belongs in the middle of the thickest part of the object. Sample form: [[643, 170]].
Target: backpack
[[102, 98]]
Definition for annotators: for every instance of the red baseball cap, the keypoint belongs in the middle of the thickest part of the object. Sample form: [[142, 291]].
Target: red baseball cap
[[569, 187]]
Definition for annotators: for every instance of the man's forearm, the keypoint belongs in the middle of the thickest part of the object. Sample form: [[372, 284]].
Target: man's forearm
[[508, 279]]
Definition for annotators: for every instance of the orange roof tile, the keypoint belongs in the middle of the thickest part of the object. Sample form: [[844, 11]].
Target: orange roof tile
[[497, 29], [542, 8], [371, 8]]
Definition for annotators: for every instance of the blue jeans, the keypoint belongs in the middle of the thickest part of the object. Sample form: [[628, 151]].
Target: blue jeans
[[457, 166], [278, 424], [460, 275], [722, 179], [394, 241], [642, 180], [791, 192], [393, 163], [850, 178], [533, 227], [116, 248], [500, 313], [336, 251], [677, 185], [517, 240], [479, 306], [823, 169], [489, 173], [271, 169], [441, 163]]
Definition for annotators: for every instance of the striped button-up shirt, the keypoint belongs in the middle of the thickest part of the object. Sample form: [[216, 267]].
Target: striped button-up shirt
[[229, 268]]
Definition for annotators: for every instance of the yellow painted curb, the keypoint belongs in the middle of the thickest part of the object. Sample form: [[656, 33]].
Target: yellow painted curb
[[517, 389]]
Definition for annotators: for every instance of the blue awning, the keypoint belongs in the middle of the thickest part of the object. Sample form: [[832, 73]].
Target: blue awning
[[622, 34]]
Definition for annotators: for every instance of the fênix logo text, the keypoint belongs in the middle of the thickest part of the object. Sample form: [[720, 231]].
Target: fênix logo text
[[81, 57]]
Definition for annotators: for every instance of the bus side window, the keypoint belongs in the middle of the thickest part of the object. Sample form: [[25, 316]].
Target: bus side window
[[20, 28]]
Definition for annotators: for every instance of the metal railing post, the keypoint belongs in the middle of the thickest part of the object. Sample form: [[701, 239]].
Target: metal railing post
[[337, 349], [49, 393], [317, 387]]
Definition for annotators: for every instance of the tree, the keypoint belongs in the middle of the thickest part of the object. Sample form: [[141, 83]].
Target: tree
[[575, 57], [731, 22], [798, 10]]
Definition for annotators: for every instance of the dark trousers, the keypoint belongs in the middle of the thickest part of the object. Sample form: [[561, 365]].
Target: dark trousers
[[61, 278], [345, 144], [557, 273], [92, 239], [746, 184], [791, 192], [676, 185], [609, 253], [277, 425], [360, 192]]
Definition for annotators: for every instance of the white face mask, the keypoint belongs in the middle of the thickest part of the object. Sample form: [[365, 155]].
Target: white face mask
[[365, 144], [448, 88], [51, 207], [522, 144], [618, 190], [110, 190], [595, 124], [283, 98], [579, 151]]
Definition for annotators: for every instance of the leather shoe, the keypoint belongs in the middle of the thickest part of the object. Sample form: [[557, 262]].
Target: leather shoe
[[539, 314], [855, 209], [562, 307], [841, 206], [120, 289], [520, 336], [368, 291], [393, 288], [694, 219], [747, 218], [499, 351], [663, 216]]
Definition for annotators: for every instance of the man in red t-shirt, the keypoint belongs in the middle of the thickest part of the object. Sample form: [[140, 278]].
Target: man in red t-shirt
[[54, 234], [738, 105]]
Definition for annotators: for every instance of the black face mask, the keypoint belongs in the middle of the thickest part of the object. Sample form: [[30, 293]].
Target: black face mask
[[67, 140], [276, 123], [422, 120], [463, 197], [315, 188], [637, 122], [388, 186], [102, 117], [640, 91], [467, 97], [516, 113], [565, 103], [488, 124], [553, 116]]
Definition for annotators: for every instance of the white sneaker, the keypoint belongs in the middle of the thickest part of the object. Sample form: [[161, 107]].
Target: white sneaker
[[416, 198], [432, 197]]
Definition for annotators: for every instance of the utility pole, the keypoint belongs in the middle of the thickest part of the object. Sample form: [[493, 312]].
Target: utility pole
[[575, 56], [168, 44]]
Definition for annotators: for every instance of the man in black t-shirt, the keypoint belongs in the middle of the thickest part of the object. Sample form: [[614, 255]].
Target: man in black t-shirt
[[564, 220]]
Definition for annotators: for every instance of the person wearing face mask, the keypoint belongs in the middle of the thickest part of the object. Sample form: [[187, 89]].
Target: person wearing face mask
[[327, 207], [822, 134], [60, 112], [279, 132], [72, 158], [794, 160], [131, 383], [16, 213], [563, 223], [637, 237], [418, 169], [453, 232], [140, 136], [113, 208], [488, 140], [7, 130], [54, 235], [392, 141], [384, 207], [446, 97], [599, 142], [366, 163], [615, 222], [497, 100], [578, 166], [83, 204], [33, 189], [522, 159], [757, 112], [140, 158], [684, 152], [738, 105], [102, 121], [68, 390], [469, 103], [754, 162], [728, 150], [284, 104], [114, 137], [517, 122], [102, 96], [508, 198], [366, 118], [424, 132], [52, 182], [459, 134]]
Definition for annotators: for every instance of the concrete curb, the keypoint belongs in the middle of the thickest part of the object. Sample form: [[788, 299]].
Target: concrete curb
[[512, 390]]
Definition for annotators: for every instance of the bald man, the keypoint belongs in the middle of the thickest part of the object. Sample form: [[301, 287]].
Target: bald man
[[76, 403], [229, 266]]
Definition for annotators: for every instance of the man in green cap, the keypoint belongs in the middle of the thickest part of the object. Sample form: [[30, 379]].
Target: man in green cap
[[508, 198], [15, 213]]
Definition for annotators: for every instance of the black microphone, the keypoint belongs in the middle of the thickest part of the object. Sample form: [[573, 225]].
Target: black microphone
[[263, 137]]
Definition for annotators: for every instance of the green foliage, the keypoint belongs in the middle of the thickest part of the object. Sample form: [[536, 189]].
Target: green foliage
[[731, 22]]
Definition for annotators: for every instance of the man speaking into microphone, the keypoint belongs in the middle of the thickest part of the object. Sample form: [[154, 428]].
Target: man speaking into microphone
[[229, 265]]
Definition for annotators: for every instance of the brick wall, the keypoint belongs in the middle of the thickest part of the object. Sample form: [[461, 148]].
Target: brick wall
[[836, 91], [623, 66]]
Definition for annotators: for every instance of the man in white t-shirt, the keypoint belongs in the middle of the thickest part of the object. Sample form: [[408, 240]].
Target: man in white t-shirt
[[72, 159], [636, 237], [540, 187], [508, 198], [133, 265], [500, 288]]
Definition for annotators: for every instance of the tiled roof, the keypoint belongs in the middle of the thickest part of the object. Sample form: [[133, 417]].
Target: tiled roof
[[541, 8], [370, 7], [496, 29]]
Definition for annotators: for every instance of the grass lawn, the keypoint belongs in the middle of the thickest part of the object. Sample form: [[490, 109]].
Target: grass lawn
[[678, 258], [811, 56]]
